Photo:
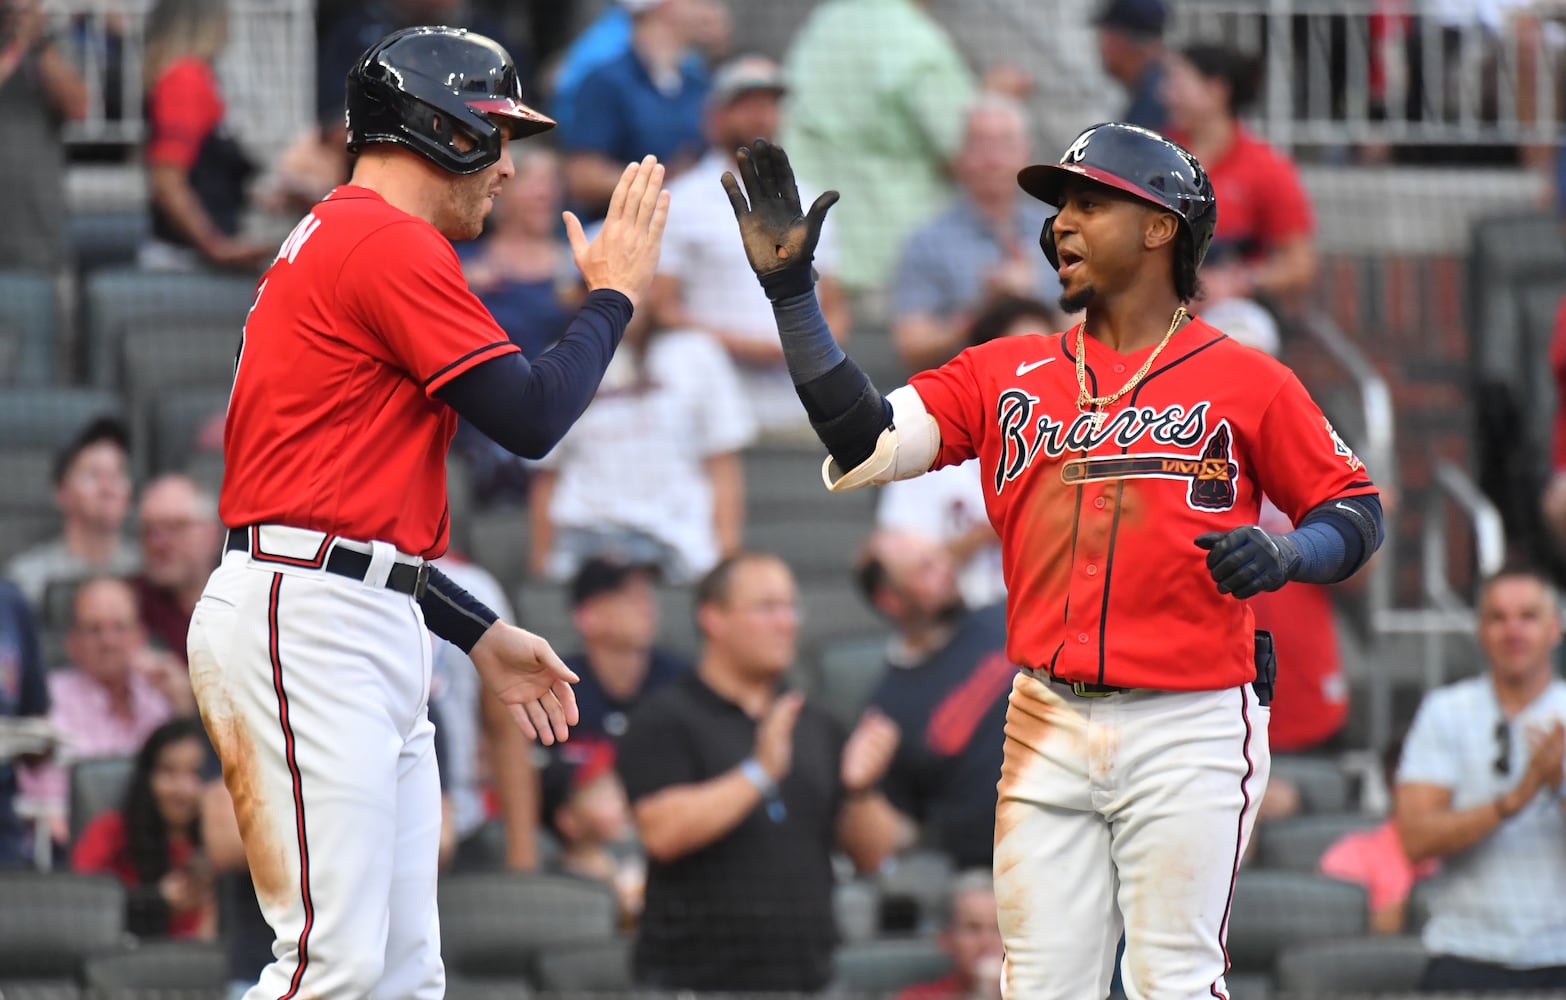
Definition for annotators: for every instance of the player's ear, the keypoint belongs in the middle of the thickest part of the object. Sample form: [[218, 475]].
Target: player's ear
[[1162, 228]]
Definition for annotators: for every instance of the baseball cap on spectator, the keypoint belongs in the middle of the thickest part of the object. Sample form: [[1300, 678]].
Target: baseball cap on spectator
[[110, 429], [572, 767], [743, 75], [601, 575], [1138, 18]]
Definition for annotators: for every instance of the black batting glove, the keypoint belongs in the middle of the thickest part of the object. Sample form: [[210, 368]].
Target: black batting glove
[[1246, 561], [780, 239]]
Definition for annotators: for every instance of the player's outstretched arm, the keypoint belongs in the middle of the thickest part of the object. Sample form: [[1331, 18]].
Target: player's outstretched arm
[[519, 667], [527, 408], [847, 412]]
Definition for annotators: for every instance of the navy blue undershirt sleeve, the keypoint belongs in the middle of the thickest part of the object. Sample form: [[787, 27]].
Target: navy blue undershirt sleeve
[[845, 409], [1334, 543], [527, 408], [454, 614]]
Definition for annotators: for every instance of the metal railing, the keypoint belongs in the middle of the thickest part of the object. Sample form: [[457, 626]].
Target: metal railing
[[267, 70], [1343, 72]]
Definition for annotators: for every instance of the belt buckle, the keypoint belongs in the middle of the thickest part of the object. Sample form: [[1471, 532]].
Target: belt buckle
[[1080, 689], [422, 581]]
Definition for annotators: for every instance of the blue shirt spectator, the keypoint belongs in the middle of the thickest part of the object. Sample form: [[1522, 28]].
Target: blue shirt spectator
[[24, 693], [1130, 43]]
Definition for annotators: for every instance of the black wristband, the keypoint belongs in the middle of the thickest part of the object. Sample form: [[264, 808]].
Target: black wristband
[[797, 279], [454, 614]]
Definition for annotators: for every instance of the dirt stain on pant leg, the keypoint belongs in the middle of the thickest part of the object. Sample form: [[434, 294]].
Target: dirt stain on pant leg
[[272, 871]]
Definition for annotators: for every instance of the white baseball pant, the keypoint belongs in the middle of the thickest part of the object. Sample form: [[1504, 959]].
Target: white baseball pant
[[1128, 812], [314, 688]]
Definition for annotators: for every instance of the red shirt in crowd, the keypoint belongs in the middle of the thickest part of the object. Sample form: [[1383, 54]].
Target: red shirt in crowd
[[104, 849], [184, 106], [946, 988], [1261, 203], [1558, 366]]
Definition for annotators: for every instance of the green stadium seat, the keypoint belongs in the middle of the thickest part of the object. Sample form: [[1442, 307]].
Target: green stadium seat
[[495, 924], [51, 922]]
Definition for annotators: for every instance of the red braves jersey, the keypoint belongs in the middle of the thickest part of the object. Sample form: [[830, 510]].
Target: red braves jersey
[[1104, 580], [333, 424]]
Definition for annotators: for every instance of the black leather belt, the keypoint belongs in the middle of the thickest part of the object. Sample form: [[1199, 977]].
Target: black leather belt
[[1083, 689], [342, 561]]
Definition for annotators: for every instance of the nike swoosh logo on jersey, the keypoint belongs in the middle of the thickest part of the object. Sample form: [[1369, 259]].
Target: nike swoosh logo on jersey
[[1026, 367]]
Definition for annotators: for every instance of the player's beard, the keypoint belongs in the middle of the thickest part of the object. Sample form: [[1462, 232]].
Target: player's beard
[[467, 205], [1076, 301]]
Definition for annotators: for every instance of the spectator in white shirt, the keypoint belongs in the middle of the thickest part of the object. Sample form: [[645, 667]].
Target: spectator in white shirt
[[704, 282], [651, 471]]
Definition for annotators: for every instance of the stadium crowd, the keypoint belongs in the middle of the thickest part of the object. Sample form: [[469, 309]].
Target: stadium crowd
[[678, 548]]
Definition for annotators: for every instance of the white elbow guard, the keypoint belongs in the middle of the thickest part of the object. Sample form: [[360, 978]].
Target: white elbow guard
[[904, 450]]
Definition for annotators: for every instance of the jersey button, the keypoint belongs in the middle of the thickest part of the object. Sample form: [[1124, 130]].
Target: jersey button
[[1082, 637], [1120, 368], [1098, 502], [1090, 570]]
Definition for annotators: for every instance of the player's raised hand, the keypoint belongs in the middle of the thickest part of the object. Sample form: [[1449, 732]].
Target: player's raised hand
[[1248, 560], [868, 752], [529, 679], [624, 254], [779, 237]]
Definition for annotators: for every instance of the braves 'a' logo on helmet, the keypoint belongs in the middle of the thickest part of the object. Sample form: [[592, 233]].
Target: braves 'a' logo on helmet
[[1078, 149]]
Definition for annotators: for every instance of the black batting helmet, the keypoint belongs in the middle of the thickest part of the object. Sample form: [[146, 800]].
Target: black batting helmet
[[420, 87], [1139, 162]]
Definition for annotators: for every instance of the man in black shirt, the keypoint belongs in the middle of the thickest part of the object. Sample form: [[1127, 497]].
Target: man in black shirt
[[946, 689], [741, 790]]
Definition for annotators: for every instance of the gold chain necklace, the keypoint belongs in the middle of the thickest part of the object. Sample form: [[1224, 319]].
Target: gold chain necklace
[[1084, 401]]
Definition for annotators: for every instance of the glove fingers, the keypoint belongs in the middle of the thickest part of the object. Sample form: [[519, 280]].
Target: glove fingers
[[818, 211], [1208, 540], [766, 168], [783, 176], [736, 196], [748, 177]]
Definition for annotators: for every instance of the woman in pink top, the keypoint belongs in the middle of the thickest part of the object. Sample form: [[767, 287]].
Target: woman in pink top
[[1375, 859]]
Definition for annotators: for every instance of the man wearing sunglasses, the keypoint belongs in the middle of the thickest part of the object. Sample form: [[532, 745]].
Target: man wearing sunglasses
[[1480, 788]]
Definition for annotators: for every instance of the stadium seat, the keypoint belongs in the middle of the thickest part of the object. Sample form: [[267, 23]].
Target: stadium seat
[[498, 541], [97, 785], [206, 468], [545, 608], [461, 988], [816, 548], [29, 308], [57, 604], [888, 965], [1248, 986], [1296, 843], [833, 610], [1275, 909], [1376, 963], [602, 967], [28, 475], [781, 482], [155, 355], [874, 351], [106, 239], [677, 620], [39, 989], [1417, 911], [10, 351], [494, 923], [51, 922], [845, 674], [49, 417], [178, 416], [921, 876], [117, 298], [1324, 787], [857, 904], [159, 965]]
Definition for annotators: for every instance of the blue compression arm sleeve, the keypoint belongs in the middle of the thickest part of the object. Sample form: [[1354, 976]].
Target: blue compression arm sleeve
[[527, 408], [454, 614], [1337, 538], [846, 411]]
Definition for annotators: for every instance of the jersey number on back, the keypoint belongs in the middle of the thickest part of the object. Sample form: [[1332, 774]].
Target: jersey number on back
[[288, 251]]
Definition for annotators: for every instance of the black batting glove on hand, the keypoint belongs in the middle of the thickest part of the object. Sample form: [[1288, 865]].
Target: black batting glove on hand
[[1246, 561], [780, 240]]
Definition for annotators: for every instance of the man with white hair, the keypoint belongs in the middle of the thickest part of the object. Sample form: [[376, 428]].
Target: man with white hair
[[981, 248], [180, 538]]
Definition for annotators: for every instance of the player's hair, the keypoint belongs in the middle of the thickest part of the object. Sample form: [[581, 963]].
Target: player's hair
[[964, 882], [80, 587], [717, 586], [1239, 71], [146, 832], [1186, 283], [1005, 312]]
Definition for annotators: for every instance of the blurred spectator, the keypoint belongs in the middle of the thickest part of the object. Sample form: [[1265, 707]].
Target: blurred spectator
[[152, 843], [180, 541], [948, 504], [115, 694], [24, 693], [1376, 860], [471, 718], [609, 37], [1131, 45], [651, 470], [983, 247], [704, 281], [1554, 500], [1480, 788], [39, 92], [92, 489], [877, 91], [586, 809], [741, 792], [970, 934], [945, 688], [1265, 244], [647, 100], [615, 610]]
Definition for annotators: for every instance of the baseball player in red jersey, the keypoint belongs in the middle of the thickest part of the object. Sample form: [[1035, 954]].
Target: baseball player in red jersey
[[308, 650], [1124, 462]]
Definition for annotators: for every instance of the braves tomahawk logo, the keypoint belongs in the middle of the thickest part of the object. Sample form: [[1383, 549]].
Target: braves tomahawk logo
[[1212, 484]]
